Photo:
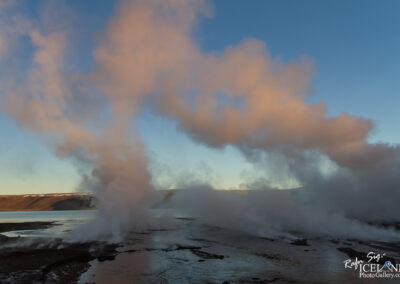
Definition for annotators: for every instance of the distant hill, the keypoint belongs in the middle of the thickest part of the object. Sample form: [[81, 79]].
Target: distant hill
[[82, 201], [40, 202]]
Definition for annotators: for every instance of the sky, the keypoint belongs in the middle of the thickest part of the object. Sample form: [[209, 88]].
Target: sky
[[354, 46]]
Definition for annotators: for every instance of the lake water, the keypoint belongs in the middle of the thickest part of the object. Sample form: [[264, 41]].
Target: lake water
[[64, 220], [34, 216]]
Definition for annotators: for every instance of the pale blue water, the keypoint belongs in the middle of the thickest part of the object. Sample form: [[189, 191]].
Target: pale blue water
[[64, 220], [35, 216]]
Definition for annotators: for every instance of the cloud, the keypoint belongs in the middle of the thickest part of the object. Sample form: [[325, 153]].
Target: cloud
[[147, 57]]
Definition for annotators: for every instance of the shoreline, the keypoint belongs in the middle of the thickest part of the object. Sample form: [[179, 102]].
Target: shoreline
[[33, 260]]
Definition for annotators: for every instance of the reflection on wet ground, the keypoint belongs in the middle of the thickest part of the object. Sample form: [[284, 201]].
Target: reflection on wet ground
[[196, 253], [188, 252]]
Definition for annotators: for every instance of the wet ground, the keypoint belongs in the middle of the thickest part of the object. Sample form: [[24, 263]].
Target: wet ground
[[187, 252], [45, 260], [198, 253]]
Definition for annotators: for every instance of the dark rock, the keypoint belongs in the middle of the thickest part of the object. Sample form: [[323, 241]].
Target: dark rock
[[181, 247], [54, 262], [7, 227], [302, 242], [105, 257], [272, 256], [206, 255]]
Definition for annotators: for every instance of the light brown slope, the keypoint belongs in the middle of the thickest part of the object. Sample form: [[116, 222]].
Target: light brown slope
[[39, 202]]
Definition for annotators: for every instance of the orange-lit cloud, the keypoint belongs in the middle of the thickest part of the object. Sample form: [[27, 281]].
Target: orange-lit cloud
[[147, 56]]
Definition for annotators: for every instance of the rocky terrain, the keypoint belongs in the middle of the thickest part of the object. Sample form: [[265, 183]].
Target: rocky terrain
[[41, 260]]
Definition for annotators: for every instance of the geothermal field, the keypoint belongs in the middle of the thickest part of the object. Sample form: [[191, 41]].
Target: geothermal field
[[191, 141], [42, 247]]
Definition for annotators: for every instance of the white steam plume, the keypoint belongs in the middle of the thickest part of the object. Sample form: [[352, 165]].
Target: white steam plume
[[148, 57]]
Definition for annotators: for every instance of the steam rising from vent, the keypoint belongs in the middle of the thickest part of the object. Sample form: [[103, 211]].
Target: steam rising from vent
[[147, 57]]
